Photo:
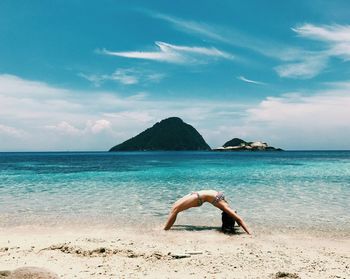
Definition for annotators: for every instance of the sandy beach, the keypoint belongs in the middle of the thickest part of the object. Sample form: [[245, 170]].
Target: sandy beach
[[184, 252], [120, 119]]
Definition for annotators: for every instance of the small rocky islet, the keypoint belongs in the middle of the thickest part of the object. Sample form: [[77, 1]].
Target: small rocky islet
[[237, 144]]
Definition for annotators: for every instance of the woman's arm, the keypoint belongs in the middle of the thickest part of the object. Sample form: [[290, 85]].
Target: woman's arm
[[225, 207]]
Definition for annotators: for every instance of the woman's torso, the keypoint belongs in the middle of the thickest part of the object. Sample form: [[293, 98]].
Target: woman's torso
[[207, 195]]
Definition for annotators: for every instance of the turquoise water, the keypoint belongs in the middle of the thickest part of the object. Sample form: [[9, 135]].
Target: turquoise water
[[284, 190]]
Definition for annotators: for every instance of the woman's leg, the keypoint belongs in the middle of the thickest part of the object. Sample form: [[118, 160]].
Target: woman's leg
[[171, 219], [182, 204]]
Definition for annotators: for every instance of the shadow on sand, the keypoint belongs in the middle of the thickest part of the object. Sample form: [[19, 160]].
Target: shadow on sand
[[204, 228], [195, 228]]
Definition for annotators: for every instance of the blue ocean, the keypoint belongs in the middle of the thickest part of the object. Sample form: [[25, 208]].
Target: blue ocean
[[291, 190]]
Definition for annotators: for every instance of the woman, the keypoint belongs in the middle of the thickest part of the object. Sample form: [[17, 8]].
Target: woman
[[195, 199]]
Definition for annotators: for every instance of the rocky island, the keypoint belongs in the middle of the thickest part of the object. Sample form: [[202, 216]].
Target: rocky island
[[237, 144], [171, 134]]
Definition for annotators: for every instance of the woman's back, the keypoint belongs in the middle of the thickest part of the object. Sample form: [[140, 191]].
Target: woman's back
[[208, 195]]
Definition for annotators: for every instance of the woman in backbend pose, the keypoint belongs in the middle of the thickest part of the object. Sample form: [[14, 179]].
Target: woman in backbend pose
[[195, 199]]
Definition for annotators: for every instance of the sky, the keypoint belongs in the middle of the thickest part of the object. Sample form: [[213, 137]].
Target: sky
[[87, 75]]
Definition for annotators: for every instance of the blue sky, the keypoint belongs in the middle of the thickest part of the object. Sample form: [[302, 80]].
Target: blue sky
[[86, 75]]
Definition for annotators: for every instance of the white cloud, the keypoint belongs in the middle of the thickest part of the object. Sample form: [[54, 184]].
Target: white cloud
[[327, 33], [98, 126], [143, 116], [307, 68], [173, 54], [191, 26], [11, 131], [336, 39], [242, 78], [11, 85], [138, 96], [91, 126], [300, 121], [74, 120], [97, 80], [342, 50], [65, 128], [40, 116], [125, 76], [155, 77]]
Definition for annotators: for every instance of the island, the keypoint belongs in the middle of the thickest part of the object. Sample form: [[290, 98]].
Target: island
[[171, 134], [237, 144]]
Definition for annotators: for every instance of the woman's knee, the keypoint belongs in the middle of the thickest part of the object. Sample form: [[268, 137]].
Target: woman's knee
[[175, 210]]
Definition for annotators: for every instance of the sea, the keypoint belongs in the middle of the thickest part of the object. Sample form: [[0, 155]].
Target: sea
[[271, 191]]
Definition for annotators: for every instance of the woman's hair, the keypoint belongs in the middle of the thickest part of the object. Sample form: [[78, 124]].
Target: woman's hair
[[227, 223]]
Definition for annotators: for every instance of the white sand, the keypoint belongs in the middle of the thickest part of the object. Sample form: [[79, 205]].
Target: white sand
[[115, 253]]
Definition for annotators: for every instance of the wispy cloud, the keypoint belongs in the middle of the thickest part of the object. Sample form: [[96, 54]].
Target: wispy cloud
[[337, 37], [300, 63], [97, 80], [126, 76], [336, 43], [231, 36], [242, 78], [173, 53], [191, 26], [308, 67], [327, 33]]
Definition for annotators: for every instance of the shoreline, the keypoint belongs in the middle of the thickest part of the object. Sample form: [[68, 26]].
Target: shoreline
[[86, 252], [185, 222]]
